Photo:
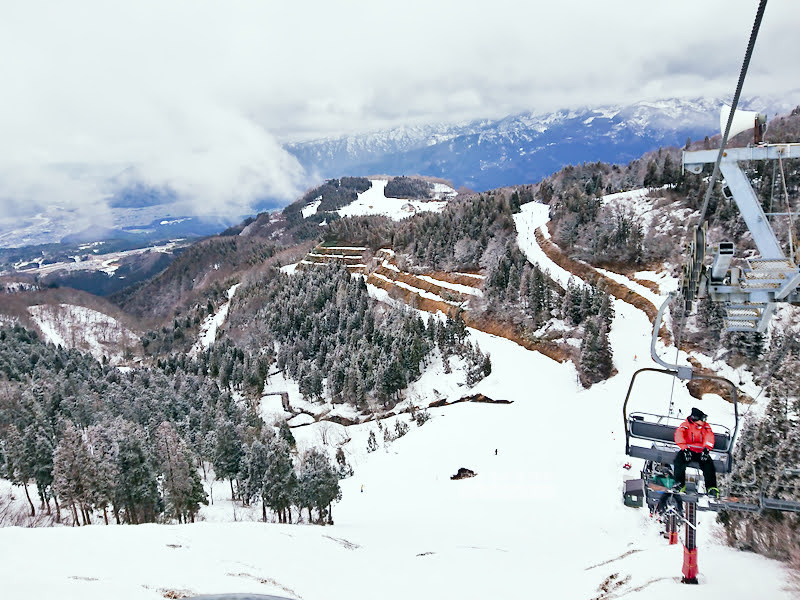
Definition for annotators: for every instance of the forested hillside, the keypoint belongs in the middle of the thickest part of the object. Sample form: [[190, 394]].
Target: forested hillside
[[136, 444], [90, 437]]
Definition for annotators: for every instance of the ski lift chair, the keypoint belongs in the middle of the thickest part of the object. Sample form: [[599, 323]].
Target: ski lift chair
[[658, 431]]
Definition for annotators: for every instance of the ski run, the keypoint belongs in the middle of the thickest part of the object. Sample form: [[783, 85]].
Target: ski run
[[542, 518]]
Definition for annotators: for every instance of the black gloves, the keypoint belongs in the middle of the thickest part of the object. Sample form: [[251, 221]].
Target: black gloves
[[687, 455], [705, 456]]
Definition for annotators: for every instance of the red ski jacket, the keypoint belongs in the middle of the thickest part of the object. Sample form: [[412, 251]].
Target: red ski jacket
[[694, 437]]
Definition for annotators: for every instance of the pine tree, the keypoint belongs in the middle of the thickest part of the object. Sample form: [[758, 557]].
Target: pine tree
[[280, 482], [228, 452], [596, 363], [18, 464], [183, 492], [318, 484], [136, 490], [285, 432], [257, 465], [40, 446], [372, 442], [345, 470], [73, 474], [104, 453], [651, 177], [669, 174]]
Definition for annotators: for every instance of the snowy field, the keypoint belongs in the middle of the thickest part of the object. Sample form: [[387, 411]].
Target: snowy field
[[543, 517], [374, 202]]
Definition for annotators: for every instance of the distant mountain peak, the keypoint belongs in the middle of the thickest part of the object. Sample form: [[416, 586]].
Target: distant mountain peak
[[524, 147]]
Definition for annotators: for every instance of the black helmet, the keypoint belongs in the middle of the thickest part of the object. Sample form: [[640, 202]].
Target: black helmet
[[697, 415]]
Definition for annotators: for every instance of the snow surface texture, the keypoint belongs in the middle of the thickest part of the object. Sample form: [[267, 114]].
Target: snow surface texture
[[543, 517], [374, 202], [79, 327]]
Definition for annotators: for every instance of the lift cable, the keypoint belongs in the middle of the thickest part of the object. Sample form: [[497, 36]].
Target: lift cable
[[677, 352], [748, 54], [699, 228]]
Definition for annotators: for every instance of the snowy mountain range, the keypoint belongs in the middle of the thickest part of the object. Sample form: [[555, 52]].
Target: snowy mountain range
[[521, 148], [480, 155]]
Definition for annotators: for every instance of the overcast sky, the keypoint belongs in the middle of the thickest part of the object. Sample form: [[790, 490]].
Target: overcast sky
[[200, 95]]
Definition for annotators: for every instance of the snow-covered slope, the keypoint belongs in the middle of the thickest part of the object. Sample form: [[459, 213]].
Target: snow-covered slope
[[73, 326], [209, 327], [375, 202], [543, 517]]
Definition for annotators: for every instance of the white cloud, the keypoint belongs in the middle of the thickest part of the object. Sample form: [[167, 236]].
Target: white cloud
[[198, 95]]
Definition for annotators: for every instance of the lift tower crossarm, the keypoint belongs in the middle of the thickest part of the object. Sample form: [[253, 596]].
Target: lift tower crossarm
[[743, 194], [748, 293]]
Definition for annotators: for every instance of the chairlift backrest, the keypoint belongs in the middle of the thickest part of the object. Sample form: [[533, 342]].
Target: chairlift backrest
[[659, 432]]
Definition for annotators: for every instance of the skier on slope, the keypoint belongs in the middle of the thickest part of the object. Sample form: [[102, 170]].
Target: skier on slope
[[695, 439]]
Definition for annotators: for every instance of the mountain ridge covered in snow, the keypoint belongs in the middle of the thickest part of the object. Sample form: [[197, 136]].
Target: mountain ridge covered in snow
[[521, 148]]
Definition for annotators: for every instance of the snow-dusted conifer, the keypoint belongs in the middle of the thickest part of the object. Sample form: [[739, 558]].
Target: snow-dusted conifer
[[228, 452], [372, 442], [344, 469], [136, 489], [104, 452], [280, 482], [183, 492], [19, 468], [73, 474], [318, 484], [257, 463]]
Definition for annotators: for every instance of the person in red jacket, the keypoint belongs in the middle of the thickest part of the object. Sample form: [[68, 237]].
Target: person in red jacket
[[695, 439]]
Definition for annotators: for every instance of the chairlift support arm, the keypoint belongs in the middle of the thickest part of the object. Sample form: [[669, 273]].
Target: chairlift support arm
[[680, 371], [743, 194], [749, 294]]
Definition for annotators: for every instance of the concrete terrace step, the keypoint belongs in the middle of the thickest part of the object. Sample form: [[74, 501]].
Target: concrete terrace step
[[351, 256]]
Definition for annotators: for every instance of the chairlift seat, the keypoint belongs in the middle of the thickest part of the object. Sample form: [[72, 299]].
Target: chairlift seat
[[780, 504], [666, 449]]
